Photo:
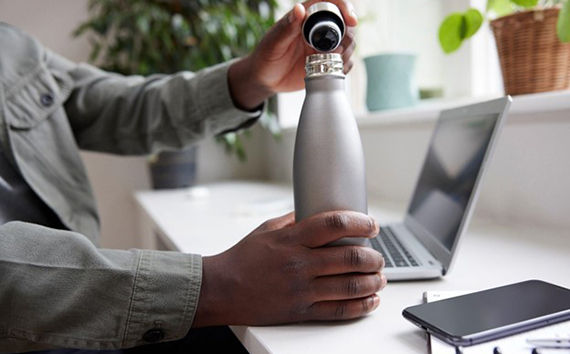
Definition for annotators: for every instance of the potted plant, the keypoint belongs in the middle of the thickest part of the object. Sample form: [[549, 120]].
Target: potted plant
[[145, 37], [533, 41]]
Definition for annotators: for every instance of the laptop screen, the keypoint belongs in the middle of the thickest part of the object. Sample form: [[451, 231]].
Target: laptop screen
[[449, 174]]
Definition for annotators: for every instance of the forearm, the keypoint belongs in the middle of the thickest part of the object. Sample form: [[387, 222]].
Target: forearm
[[139, 115], [247, 92], [58, 290]]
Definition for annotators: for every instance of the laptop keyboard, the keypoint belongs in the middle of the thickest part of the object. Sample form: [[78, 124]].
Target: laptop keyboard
[[394, 252]]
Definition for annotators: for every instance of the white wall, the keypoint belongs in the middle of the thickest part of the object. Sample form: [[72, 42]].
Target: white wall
[[409, 26], [115, 179], [474, 69]]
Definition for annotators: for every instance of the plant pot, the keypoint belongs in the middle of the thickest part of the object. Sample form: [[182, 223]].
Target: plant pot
[[532, 57], [391, 81], [174, 169]]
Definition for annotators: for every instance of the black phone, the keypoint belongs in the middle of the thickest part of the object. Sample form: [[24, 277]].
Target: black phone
[[491, 314]]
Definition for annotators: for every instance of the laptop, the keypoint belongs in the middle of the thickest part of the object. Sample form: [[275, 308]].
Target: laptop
[[461, 146]]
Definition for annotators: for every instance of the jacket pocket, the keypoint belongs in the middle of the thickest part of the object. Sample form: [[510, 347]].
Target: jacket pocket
[[36, 97], [41, 137]]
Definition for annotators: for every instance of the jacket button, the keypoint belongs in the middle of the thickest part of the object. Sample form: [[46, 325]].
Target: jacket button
[[46, 99], [153, 335]]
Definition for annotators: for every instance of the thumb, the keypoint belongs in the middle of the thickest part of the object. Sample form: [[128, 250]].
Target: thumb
[[287, 29]]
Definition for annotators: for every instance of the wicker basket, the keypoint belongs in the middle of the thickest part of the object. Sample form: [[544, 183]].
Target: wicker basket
[[532, 57]]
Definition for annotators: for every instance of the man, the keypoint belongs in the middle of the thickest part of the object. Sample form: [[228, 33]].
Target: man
[[57, 290]]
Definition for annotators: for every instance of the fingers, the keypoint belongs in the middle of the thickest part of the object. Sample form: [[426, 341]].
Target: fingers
[[327, 227], [345, 8], [344, 309], [346, 287], [286, 30], [345, 259], [346, 48], [347, 67]]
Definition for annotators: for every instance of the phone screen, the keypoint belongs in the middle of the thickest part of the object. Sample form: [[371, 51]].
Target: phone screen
[[494, 313]]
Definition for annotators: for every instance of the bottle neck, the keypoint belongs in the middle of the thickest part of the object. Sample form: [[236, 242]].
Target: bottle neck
[[329, 64]]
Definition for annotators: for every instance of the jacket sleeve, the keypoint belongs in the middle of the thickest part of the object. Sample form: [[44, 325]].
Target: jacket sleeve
[[58, 290], [134, 115]]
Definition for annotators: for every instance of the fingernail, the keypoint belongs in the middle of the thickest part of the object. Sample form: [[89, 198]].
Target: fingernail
[[376, 227], [376, 301], [292, 15]]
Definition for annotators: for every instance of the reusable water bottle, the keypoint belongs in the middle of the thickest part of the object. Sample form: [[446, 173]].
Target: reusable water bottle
[[328, 166]]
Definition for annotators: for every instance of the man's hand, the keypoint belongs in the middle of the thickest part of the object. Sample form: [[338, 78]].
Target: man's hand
[[278, 62], [280, 273]]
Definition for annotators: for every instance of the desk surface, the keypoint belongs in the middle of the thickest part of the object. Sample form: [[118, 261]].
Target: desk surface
[[488, 256]]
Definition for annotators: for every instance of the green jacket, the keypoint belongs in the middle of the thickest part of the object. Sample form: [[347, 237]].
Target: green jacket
[[57, 289]]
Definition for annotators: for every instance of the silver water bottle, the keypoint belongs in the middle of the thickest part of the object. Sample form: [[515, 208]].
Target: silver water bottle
[[328, 166]]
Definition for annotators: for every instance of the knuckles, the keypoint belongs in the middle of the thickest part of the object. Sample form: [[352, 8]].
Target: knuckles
[[337, 221], [287, 237], [362, 285], [354, 287], [351, 223], [267, 225], [362, 259], [354, 257], [341, 311]]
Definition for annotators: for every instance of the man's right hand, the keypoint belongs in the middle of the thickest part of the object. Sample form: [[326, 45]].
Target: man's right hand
[[280, 273]]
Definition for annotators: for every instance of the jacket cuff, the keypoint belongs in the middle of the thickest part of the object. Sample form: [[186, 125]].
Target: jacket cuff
[[165, 297], [215, 101]]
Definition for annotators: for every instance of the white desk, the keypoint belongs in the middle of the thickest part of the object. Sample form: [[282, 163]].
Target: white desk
[[488, 256]]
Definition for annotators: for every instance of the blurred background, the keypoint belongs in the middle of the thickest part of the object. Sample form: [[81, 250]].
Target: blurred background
[[407, 28]]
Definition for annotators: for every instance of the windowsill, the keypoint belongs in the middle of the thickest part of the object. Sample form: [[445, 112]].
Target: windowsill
[[428, 110]]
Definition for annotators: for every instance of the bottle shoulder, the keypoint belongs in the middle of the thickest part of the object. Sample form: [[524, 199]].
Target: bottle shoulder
[[324, 83]]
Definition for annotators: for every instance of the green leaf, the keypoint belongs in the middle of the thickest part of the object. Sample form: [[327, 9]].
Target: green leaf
[[563, 25], [500, 7], [473, 21], [95, 50], [526, 3], [451, 32], [230, 139], [240, 150], [143, 25], [150, 36]]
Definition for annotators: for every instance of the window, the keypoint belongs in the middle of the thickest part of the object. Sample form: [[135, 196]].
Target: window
[[411, 26]]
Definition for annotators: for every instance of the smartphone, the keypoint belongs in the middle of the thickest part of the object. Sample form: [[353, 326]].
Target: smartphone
[[491, 314]]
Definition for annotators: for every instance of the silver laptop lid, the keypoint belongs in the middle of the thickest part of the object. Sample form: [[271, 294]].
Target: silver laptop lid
[[460, 149]]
